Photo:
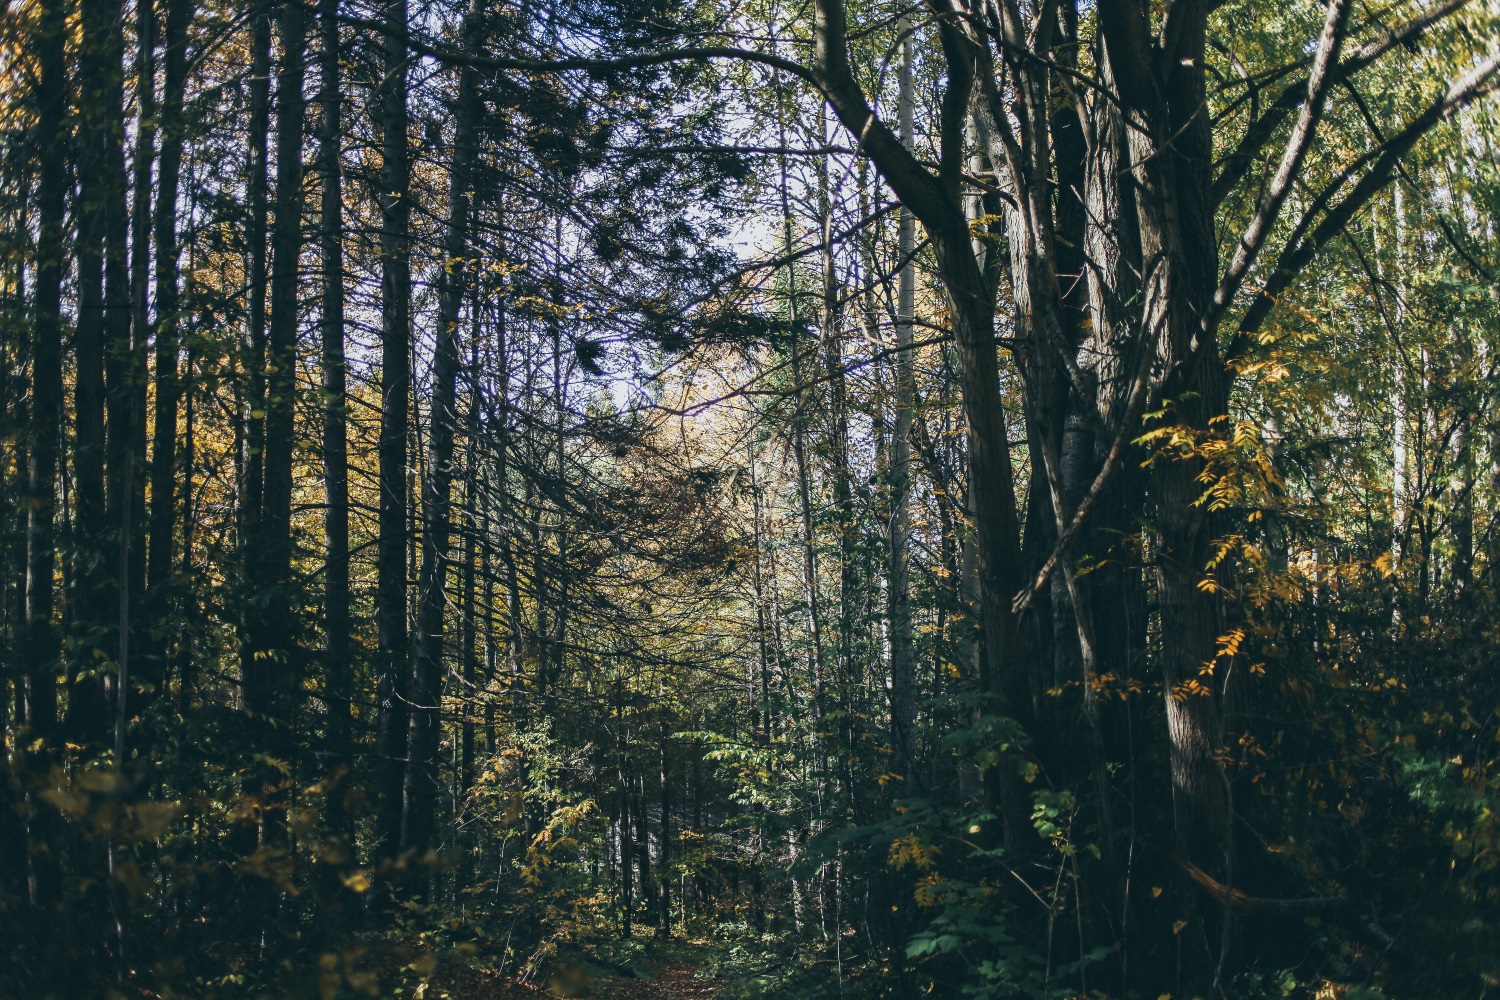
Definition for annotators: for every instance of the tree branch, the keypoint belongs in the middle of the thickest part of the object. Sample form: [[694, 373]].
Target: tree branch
[[1259, 229], [1259, 132], [1303, 246]]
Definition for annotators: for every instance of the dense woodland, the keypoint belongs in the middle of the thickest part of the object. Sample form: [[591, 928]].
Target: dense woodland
[[968, 498]]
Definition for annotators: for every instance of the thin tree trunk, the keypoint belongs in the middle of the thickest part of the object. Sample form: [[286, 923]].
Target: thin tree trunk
[[253, 357], [147, 126], [1400, 444], [831, 336], [903, 653], [275, 642], [103, 337], [804, 475], [42, 649], [395, 391], [336, 598], [168, 383], [468, 609], [627, 849], [421, 779], [664, 877]]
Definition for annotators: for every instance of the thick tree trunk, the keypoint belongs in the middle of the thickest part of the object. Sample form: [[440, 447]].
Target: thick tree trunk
[[937, 202], [1003, 666], [1176, 232], [1169, 147]]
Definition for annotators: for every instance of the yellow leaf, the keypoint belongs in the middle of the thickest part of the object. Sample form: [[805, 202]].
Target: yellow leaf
[[356, 881], [1178, 925]]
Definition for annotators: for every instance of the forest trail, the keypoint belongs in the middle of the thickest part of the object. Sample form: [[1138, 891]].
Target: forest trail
[[674, 982]]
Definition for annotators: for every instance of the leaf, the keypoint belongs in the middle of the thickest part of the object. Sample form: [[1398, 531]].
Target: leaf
[[357, 881]]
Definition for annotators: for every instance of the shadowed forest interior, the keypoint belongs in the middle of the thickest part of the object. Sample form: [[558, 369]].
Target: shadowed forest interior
[[749, 498]]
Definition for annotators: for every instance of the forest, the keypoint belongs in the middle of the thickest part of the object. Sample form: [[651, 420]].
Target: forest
[[749, 499]]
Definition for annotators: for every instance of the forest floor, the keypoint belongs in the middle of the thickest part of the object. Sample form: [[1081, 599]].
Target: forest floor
[[675, 980]]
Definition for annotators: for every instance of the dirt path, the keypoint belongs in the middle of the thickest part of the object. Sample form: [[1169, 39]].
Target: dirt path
[[672, 983]]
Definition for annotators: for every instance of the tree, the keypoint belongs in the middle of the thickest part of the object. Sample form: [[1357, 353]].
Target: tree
[[395, 390]]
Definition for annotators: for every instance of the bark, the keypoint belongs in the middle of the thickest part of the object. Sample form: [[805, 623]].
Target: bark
[[501, 473], [469, 609], [1401, 419], [103, 330], [271, 685], [29, 844], [664, 801], [627, 847], [336, 596], [253, 355], [41, 641], [168, 384], [395, 392], [903, 653], [421, 780], [132, 384], [1170, 150]]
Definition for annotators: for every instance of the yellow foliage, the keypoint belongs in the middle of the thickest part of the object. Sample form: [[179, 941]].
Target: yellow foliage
[[931, 890], [909, 850]]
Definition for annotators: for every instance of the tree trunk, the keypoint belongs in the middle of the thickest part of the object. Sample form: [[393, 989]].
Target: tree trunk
[[168, 384], [253, 356], [146, 666], [830, 316], [903, 653], [664, 875], [627, 848], [395, 393], [421, 779], [271, 686], [103, 334], [41, 645], [468, 608], [336, 599]]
